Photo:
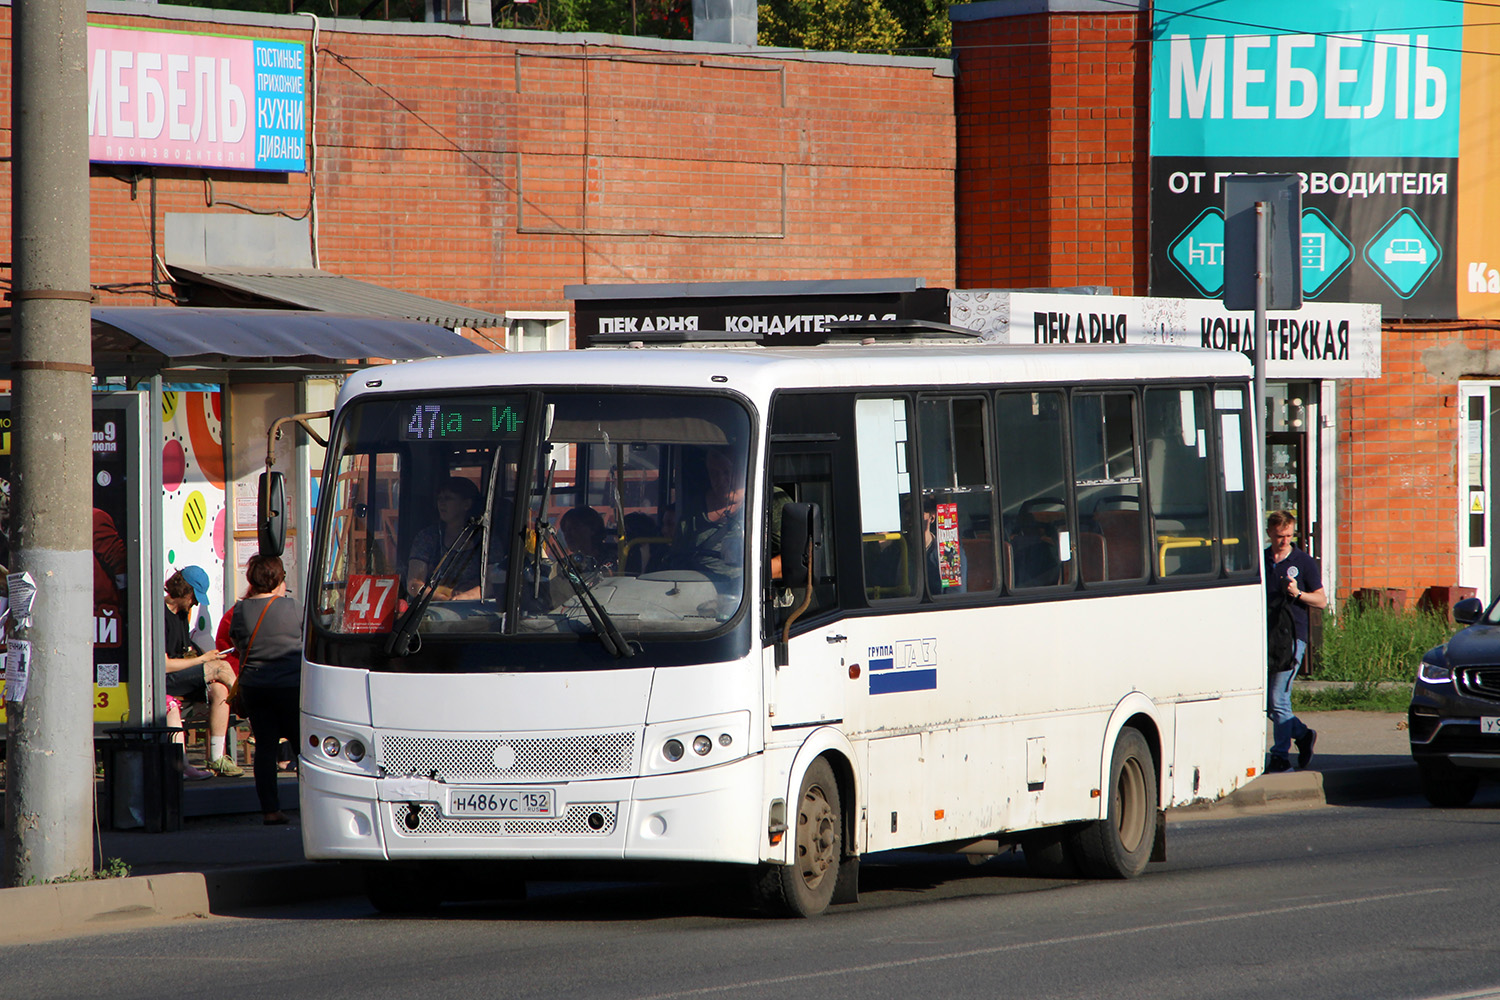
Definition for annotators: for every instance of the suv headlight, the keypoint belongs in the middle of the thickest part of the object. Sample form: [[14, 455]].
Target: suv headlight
[[1431, 673]]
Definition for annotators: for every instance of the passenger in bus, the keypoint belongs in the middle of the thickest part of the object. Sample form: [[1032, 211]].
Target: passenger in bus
[[712, 540], [456, 500], [947, 571], [586, 539], [645, 544]]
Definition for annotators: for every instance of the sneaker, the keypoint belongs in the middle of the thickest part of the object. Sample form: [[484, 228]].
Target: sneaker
[[1277, 765], [225, 768], [191, 773], [1305, 749]]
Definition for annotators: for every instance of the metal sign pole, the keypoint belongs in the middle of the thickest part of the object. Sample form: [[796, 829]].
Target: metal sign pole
[[1262, 267]]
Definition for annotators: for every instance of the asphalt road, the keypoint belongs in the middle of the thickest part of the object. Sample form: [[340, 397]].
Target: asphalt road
[[1387, 900]]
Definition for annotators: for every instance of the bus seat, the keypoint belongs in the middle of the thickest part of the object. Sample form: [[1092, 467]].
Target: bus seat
[[1122, 538], [1032, 562], [1093, 558], [979, 563]]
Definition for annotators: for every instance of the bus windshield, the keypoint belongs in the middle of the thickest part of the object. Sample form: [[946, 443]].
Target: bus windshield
[[620, 512]]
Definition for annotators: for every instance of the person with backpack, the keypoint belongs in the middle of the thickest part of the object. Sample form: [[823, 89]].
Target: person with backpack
[[1294, 583]]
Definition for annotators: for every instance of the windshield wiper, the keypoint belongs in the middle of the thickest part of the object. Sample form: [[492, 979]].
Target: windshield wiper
[[400, 642], [599, 616]]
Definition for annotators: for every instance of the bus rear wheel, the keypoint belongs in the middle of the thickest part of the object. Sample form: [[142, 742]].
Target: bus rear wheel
[[805, 887], [1119, 845]]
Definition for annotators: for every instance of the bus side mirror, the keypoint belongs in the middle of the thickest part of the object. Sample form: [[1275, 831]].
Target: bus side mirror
[[801, 524], [271, 529]]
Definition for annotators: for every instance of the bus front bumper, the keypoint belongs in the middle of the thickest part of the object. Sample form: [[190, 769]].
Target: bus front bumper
[[712, 814]]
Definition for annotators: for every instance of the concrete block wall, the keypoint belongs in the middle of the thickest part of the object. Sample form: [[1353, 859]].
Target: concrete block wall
[[493, 168]]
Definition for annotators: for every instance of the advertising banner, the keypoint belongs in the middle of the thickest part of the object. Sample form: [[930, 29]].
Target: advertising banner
[[117, 504], [188, 100], [1320, 340], [1382, 108]]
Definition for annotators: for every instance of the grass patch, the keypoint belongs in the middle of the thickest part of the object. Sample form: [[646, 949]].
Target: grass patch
[[1359, 698], [1368, 646], [113, 868]]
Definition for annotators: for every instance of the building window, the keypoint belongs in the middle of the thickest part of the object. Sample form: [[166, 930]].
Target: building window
[[536, 331]]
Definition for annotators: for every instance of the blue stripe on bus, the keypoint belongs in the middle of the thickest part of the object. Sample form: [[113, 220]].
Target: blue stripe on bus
[[904, 680], [884, 664]]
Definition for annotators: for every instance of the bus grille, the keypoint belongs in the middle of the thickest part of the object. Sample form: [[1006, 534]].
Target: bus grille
[[1482, 681], [594, 755], [580, 821]]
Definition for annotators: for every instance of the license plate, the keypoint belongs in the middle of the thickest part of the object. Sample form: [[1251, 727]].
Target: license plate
[[500, 803], [1489, 724]]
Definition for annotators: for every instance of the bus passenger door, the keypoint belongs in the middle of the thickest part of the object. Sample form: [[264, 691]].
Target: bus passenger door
[[809, 688]]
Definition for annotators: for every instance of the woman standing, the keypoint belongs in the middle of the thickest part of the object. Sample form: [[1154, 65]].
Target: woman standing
[[267, 631]]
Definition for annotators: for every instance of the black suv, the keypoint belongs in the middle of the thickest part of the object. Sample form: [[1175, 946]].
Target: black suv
[[1454, 718]]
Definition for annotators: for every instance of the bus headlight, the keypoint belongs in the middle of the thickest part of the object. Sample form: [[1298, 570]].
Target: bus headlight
[[331, 746], [714, 740]]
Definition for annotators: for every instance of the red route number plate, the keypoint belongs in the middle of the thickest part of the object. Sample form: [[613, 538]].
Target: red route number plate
[[370, 602]]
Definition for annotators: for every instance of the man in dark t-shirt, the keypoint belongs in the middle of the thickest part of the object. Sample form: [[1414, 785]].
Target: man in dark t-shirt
[[1293, 571], [194, 675]]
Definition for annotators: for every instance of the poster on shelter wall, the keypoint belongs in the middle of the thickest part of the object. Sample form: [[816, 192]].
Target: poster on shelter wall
[[115, 566], [1385, 110], [194, 499]]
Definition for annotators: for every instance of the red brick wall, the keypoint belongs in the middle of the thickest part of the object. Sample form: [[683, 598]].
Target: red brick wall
[[1398, 465], [1052, 151], [495, 172]]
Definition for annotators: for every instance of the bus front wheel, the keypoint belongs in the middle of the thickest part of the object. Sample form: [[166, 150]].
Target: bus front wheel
[[805, 887], [1119, 845]]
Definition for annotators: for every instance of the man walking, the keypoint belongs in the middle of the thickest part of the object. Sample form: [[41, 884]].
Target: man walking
[[1294, 573]]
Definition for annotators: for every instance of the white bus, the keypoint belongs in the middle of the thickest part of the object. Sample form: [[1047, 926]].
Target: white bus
[[1019, 603]]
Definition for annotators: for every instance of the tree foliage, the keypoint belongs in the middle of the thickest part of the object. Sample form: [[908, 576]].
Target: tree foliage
[[896, 27]]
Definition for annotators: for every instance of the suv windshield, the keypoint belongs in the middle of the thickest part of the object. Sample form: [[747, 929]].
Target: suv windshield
[[619, 511]]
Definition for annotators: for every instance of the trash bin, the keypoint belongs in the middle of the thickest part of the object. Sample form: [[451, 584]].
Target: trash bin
[[143, 779]]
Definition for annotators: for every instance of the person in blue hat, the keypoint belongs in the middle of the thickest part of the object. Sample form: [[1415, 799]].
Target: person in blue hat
[[194, 675]]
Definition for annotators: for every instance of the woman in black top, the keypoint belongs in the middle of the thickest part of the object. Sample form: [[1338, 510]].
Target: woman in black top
[[267, 631]]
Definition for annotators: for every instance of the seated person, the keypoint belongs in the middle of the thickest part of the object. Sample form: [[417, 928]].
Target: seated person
[[584, 536], [193, 675], [456, 500], [934, 555], [712, 540], [644, 555]]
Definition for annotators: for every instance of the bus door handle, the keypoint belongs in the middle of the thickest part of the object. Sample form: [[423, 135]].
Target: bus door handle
[[836, 638]]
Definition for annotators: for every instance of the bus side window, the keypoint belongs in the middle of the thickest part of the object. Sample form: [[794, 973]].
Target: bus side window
[[1179, 478], [1240, 541], [891, 544], [1035, 494], [1107, 486], [957, 517], [805, 478]]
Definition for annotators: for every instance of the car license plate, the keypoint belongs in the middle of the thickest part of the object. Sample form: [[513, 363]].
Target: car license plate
[[500, 803], [1489, 724]]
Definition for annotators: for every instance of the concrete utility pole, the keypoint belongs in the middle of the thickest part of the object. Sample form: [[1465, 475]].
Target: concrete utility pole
[[49, 781]]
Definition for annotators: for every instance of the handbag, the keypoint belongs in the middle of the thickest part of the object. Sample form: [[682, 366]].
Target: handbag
[[234, 690]]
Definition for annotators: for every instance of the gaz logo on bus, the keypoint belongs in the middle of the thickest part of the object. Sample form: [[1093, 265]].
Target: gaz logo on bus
[[904, 665]]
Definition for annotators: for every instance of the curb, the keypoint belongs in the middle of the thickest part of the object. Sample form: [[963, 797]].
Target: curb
[[70, 907]]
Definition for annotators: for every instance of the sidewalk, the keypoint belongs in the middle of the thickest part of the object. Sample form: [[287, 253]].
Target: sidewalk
[[224, 859]]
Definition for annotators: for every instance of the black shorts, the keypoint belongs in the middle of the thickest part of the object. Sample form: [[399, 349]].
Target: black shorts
[[189, 684]]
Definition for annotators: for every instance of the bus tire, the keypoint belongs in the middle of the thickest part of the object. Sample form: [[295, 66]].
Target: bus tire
[[805, 887], [394, 887], [1119, 845]]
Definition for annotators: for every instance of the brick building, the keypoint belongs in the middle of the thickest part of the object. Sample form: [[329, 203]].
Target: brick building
[[1054, 186], [494, 167]]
